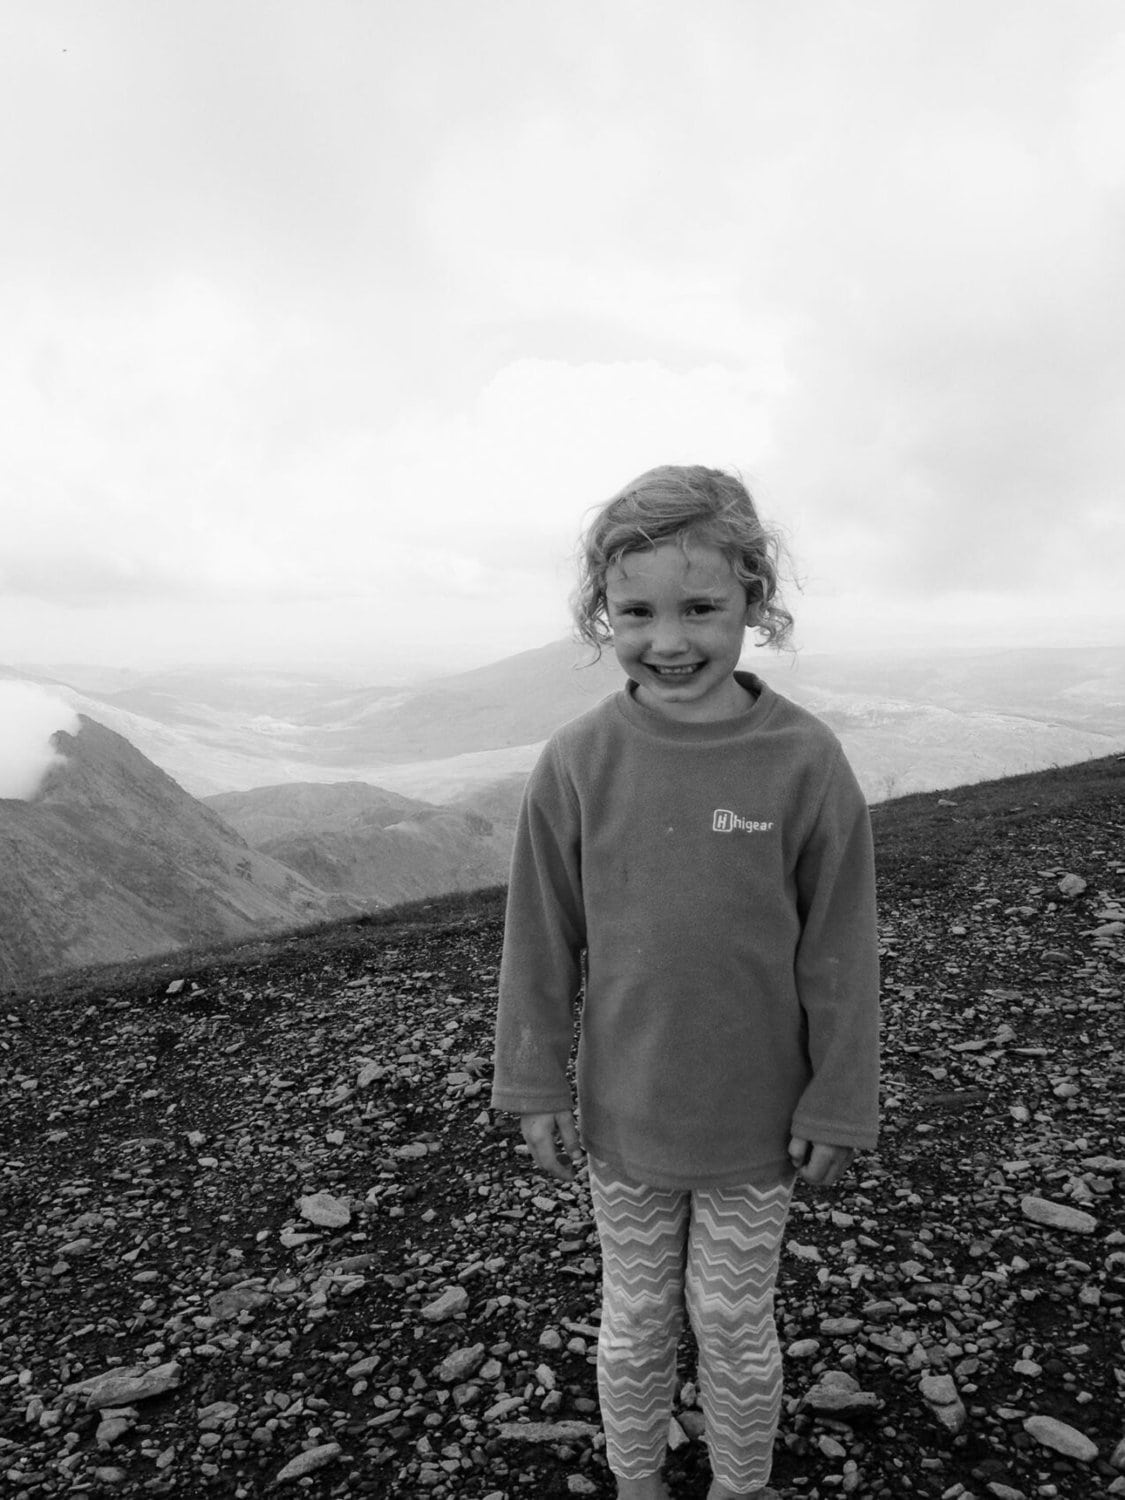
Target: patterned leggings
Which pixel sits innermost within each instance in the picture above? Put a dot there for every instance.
(715, 1251)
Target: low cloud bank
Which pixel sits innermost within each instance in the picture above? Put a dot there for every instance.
(29, 716)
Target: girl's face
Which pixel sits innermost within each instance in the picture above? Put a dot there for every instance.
(679, 617)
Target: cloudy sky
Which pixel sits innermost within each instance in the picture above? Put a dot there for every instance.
(326, 321)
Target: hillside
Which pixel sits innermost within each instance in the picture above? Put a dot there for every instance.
(296, 807)
(113, 859)
(371, 845)
(173, 1128)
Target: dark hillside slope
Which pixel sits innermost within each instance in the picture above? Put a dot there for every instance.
(162, 1143)
(112, 857)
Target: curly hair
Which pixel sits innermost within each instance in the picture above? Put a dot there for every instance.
(681, 503)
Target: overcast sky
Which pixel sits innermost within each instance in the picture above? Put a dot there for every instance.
(325, 323)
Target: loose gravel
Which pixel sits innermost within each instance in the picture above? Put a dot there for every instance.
(260, 1230)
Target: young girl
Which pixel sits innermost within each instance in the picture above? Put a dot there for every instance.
(703, 842)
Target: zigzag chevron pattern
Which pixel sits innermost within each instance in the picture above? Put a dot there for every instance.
(713, 1252)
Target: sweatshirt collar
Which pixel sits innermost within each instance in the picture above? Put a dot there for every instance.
(683, 731)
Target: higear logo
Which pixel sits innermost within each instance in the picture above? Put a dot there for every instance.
(725, 821)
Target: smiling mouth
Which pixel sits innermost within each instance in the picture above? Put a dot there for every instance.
(672, 673)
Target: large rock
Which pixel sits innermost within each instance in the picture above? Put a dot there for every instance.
(126, 1384)
(1058, 1215)
(546, 1432)
(1063, 1439)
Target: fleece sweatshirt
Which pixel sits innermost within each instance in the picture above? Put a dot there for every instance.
(718, 880)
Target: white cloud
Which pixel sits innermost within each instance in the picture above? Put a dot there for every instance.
(29, 716)
(312, 333)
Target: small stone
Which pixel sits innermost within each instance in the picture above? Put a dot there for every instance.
(460, 1364)
(876, 1312)
(503, 1408)
(839, 1394)
(677, 1437)
(1058, 1215)
(840, 1327)
(693, 1424)
(1062, 1438)
(325, 1210)
(235, 1299)
(803, 1349)
(75, 1248)
(217, 1414)
(1072, 885)
(578, 1484)
(308, 1462)
(110, 1428)
(454, 1300)
(1104, 1163)
(550, 1338)
(895, 1341)
(803, 1252)
(940, 1394)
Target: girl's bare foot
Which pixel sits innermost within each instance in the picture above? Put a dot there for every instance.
(651, 1487)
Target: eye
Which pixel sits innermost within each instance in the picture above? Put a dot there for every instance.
(701, 609)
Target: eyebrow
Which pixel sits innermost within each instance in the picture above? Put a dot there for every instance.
(687, 599)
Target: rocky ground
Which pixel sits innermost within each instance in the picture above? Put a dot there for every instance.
(259, 1229)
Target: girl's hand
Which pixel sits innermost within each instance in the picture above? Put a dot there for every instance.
(539, 1131)
(819, 1164)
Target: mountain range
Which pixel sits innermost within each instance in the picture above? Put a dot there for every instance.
(908, 722)
(198, 805)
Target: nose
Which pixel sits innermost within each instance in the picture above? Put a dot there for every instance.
(668, 638)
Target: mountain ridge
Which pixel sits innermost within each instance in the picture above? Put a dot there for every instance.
(113, 856)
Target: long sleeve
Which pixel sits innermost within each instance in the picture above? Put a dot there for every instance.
(837, 969)
(544, 935)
